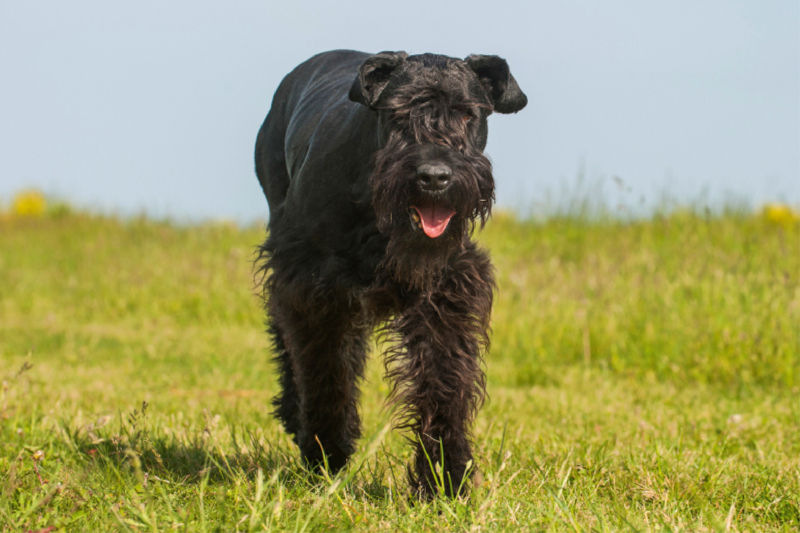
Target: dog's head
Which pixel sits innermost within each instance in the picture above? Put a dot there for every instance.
(431, 181)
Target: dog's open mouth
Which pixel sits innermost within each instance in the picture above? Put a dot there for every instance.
(432, 218)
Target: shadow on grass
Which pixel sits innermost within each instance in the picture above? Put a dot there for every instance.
(130, 445)
(188, 458)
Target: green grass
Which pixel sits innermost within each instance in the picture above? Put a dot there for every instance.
(644, 376)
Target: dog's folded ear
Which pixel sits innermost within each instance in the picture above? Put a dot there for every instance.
(373, 75)
(500, 85)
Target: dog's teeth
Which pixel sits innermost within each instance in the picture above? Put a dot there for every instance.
(415, 217)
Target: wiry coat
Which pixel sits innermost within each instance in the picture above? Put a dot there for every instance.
(374, 171)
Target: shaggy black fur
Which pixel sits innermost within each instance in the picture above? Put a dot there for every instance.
(363, 159)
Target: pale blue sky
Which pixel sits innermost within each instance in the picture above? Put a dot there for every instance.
(156, 105)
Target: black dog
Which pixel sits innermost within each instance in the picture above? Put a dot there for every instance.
(374, 171)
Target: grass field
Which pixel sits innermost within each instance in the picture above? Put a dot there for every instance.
(644, 376)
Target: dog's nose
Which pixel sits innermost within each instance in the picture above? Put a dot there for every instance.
(434, 177)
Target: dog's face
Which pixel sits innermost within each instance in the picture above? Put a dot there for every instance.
(431, 181)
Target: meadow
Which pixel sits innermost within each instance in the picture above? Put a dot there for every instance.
(644, 375)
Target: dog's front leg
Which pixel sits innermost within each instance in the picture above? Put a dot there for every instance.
(321, 353)
(437, 370)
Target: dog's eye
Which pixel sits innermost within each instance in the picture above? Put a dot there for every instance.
(466, 118)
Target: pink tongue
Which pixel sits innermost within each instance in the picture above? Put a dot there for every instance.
(434, 218)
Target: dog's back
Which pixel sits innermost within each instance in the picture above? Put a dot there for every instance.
(305, 98)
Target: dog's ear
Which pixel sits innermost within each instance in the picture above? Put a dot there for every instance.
(373, 75)
(500, 85)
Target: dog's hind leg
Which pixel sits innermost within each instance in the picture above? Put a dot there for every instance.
(437, 369)
(325, 349)
(287, 402)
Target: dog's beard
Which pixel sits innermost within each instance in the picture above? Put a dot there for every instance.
(417, 256)
(416, 262)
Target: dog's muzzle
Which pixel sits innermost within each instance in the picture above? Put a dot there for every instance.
(432, 214)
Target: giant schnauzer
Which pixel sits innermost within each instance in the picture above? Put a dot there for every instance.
(374, 172)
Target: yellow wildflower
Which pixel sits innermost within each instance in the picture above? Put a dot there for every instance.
(780, 215)
(28, 203)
